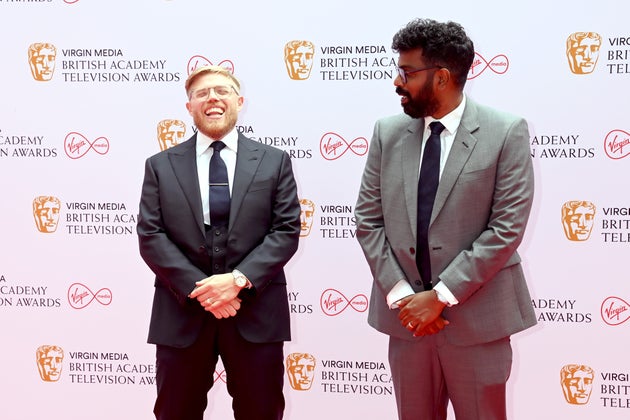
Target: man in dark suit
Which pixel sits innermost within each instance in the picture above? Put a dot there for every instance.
(220, 287)
(440, 226)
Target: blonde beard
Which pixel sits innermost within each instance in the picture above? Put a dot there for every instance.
(216, 130)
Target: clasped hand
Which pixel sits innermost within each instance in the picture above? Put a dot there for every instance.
(421, 313)
(218, 295)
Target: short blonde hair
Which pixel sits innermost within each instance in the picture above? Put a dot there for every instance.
(212, 70)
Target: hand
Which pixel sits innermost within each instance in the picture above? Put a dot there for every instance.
(433, 328)
(227, 310)
(420, 313)
(215, 291)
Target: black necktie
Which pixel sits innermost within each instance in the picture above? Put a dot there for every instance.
(219, 195)
(427, 187)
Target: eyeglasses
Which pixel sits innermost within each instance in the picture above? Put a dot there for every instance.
(404, 73)
(221, 92)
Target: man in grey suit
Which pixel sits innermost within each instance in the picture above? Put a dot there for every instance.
(220, 287)
(449, 290)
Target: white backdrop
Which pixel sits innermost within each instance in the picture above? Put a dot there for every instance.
(83, 135)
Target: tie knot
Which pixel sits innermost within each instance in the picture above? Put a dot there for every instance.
(436, 127)
(217, 145)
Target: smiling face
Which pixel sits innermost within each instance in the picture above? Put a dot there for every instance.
(214, 115)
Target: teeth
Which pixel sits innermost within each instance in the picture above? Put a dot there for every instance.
(214, 111)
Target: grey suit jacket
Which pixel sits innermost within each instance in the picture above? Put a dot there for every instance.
(479, 216)
(263, 234)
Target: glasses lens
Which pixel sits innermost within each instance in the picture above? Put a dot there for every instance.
(200, 94)
(222, 91)
(402, 74)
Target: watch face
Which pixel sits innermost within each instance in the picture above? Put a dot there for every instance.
(240, 281)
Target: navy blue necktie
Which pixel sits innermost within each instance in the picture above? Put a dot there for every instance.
(427, 187)
(219, 195)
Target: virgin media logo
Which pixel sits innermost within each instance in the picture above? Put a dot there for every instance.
(201, 61)
(80, 296)
(617, 144)
(76, 145)
(333, 302)
(498, 64)
(615, 311)
(332, 146)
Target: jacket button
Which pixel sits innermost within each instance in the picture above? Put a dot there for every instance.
(418, 283)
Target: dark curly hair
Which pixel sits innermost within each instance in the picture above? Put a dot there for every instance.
(442, 44)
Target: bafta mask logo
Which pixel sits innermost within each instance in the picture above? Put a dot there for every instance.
(583, 51)
(307, 211)
(578, 218)
(170, 132)
(46, 209)
(41, 59)
(298, 58)
(301, 370)
(577, 383)
(49, 362)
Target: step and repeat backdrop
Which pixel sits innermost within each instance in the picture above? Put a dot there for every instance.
(89, 89)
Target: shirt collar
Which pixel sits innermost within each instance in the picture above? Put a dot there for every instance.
(230, 140)
(451, 120)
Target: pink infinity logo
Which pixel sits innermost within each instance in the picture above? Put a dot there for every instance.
(199, 61)
(76, 145)
(614, 311)
(80, 296)
(70, 1)
(614, 143)
(498, 64)
(333, 302)
(332, 146)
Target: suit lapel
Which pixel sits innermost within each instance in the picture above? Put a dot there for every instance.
(410, 166)
(463, 145)
(184, 162)
(248, 158)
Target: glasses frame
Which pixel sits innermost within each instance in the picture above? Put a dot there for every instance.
(210, 90)
(404, 73)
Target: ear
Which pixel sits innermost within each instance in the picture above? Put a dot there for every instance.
(443, 77)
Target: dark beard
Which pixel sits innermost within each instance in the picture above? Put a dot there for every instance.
(422, 107)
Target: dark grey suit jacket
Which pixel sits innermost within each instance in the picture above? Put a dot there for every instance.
(263, 235)
(481, 209)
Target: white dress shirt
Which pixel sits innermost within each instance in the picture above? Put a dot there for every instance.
(204, 153)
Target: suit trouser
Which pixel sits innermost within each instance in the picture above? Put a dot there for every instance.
(429, 372)
(254, 372)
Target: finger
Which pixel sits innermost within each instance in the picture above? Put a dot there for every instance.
(404, 315)
(218, 313)
(197, 291)
(411, 326)
(419, 332)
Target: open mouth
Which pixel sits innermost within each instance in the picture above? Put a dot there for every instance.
(214, 112)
